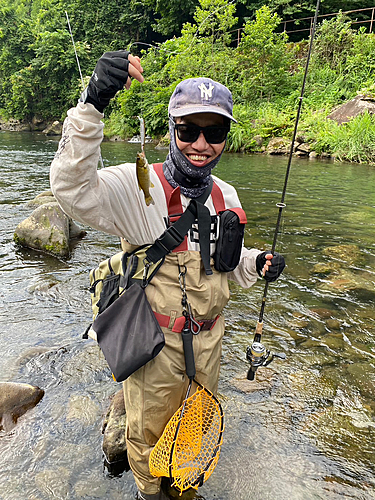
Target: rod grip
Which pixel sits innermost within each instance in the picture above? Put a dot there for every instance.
(251, 374)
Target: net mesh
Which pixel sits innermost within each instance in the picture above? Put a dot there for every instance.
(189, 447)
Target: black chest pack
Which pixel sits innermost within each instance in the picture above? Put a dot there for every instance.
(229, 242)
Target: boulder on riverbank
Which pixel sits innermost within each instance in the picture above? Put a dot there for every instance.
(357, 106)
(15, 400)
(13, 125)
(54, 128)
(48, 228)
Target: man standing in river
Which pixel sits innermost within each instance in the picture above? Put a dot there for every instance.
(200, 113)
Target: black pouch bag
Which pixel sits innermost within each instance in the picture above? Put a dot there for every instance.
(229, 243)
(125, 326)
(128, 333)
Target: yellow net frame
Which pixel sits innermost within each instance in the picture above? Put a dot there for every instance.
(189, 448)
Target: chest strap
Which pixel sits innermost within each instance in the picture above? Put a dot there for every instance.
(173, 200)
(174, 238)
(174, 235)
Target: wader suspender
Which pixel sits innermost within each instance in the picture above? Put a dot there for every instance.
(174, 237)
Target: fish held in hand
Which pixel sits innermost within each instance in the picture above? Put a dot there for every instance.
(143, 176)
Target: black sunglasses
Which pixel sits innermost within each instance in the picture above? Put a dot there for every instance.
(190, 133)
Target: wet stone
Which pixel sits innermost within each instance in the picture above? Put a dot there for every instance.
(15, 400)
(333, 324)
(298, 321)
(53, 483)
(67, 451)
(114, 427)
(309, 384)
(346, 280)
(46, 229)
(363, 378)
(265, 378)
(322, 313)
(336, 342)
(88, 365)
(84, 409)
(325, 268)
(345, 253)
(90, 487)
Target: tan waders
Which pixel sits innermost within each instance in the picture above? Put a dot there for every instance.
(154, 392)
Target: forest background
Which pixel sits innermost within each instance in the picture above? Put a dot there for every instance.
(178, 39)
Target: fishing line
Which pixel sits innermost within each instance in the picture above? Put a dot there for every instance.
(75, 51)
(257, 354)
(195, 34)
(80, 72)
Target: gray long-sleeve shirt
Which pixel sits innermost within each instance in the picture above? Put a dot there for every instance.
(110, 200)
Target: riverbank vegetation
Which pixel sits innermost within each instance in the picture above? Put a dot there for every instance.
(39, 75)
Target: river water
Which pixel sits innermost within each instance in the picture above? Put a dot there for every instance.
(304, 430)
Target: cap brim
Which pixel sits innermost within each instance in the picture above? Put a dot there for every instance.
(192, 110)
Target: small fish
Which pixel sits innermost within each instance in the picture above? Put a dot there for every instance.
(143, 176)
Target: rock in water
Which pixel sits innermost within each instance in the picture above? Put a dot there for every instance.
(114, 439)
(46, 229)
(15, 400)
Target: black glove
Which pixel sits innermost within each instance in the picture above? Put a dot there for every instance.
(275, 269)
(110, 76)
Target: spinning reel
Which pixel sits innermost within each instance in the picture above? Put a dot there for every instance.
(258, 356)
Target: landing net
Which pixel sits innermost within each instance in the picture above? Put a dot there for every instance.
(189, 448)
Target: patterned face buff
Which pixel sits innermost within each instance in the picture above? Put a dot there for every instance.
(179, 171)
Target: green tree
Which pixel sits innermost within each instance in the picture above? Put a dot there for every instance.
(171, 15)
(265, 56)
(334, 40)
(215, 19)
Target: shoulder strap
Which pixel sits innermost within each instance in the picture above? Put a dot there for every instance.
(175, 234)
(218, 198)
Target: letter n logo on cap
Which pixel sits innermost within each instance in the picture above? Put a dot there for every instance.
(206, 93)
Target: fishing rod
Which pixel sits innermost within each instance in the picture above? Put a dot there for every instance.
(80, 72)
(257, 354)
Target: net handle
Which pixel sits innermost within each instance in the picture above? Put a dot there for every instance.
(187, 341)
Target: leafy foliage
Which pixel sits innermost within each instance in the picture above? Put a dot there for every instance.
(39, 74)
(265, 56)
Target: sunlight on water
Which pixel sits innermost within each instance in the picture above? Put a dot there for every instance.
(304, 430)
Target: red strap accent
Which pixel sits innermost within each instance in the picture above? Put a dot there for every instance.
(173, 199)
(179, 324)
(241, 214)
(168, 189)
(172, 195)
(217, 198)
(163, 320)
